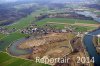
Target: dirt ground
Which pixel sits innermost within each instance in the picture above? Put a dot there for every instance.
(50, 38)
(52, 45)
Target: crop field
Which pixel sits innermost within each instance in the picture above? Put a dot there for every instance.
(6, 60)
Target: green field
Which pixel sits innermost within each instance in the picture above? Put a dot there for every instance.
(98, 13)
(64, 20)
(22, 22)
(6, 60)
(68, 21)
(6, 41)
(1, 36)
(83, 29)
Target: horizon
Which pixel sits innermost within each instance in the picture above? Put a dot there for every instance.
(51, 0)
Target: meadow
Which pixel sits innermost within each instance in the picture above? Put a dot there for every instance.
(68, 21)
(7, 40)
(65, 20)
(6, 60)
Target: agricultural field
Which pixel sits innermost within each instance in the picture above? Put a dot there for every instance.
(65, 20)
(82, 28)
(78, 24)
(6, 60)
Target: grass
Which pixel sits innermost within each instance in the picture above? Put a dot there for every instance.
(69, 21)
(98, 13)
(64, 20)
(6, 41)
(83, 29)
(22, 22)
(6, 60)
(98, 39)
(2, 35)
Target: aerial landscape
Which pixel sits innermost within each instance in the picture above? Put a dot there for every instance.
(49, 32)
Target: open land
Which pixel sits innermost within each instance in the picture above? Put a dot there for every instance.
(52, 44)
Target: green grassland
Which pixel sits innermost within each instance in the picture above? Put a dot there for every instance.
(98, 13)
(6, 60)
(64, 20)
(7, 40)
(83, 29)
(22, 22)
(2, 35)
(68, 21)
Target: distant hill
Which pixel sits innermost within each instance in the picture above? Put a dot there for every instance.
(53, 1)
(96, 6)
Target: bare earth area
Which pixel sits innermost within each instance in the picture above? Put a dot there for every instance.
(52, 45)
(56, 45)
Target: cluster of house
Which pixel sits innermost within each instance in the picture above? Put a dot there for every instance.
(6, 31)
(32, 29)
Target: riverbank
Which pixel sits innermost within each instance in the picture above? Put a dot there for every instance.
(96, 44)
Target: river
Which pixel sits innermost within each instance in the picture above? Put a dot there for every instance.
(88, 42)
(88, 38)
